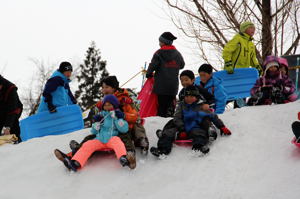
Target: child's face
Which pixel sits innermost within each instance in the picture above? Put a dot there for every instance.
(250, 31)
(186, 81)
(108, 106)
(67, 74)
(282, 70)
(204, 76)
(106, 90)
(273, 69)
(189, 99)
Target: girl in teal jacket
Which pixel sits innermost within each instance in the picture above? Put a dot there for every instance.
(106, 132)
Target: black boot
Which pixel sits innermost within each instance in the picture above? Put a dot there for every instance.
(71, 164)
(157, 152)
(198, 148)
(127, 161)
(74, 146)
(144, 144)
(59, 155)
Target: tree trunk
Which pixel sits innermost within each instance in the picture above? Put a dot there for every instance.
(267, 41)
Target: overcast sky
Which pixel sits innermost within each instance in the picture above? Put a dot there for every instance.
(125, 31)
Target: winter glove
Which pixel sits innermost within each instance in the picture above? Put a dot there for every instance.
(97, 126)
(119, 114)
(225, 131)
(126, 100)
(97, 118)
(228, 67)
(52, 108)
(149, 75)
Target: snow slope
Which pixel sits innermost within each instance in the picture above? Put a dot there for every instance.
(257, 161)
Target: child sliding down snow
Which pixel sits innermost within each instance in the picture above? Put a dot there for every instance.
(189, 117)
(106, 136)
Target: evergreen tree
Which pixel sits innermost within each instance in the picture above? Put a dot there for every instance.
(92, 71)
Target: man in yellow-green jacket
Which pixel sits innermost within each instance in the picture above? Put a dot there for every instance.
(240, 52)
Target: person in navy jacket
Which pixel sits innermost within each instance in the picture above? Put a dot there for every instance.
(57, 90)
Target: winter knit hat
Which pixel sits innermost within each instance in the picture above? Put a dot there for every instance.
(65, 66)
(283, 63)
(191, 91)
(245, 25)
(111, 81)
(111, 99)
(167, 38)
(187, 73)
(207, 68)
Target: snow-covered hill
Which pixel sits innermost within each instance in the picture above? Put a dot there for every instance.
(257, 161)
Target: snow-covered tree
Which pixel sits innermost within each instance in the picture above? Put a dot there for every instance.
(92, 71)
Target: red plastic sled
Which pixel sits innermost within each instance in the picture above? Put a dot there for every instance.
(295, 143)
(182, 139)
(148, 99)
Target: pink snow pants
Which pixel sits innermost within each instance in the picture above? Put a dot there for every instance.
(89, 147)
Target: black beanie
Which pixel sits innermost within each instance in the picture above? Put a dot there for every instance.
(191, 91)
(187, 73)
(167, 38)
(111, 81)
(207, 68)
(65, 66)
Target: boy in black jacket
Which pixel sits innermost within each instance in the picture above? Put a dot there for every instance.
(166, 63)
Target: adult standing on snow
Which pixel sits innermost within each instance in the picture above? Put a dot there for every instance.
(166, 63)
(10, 108)
(240, 52)
(57, 90)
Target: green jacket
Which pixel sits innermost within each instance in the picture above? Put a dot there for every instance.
(240, 51)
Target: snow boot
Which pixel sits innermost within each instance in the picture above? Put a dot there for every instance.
(74, 146)
(159, 133)
(212, 133)
(158, 153)
(71, 164)
(60, 155)
(200, 149)
(131, 159)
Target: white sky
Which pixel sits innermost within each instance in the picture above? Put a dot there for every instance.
(125, 31)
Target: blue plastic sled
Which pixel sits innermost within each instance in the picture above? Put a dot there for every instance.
(237, 85)
(66, 120)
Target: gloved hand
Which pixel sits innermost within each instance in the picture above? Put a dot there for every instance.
(228, 67)
(97, 126)
(149, 75)
(97, 118)
(225, 131)
(112, 114)
(52, 108)
(119, 114)
(126, 100)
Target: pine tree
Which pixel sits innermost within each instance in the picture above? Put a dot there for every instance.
(92, 71)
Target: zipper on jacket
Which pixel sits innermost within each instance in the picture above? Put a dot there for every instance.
(238, 55)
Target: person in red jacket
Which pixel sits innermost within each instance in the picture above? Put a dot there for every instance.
(10, 108)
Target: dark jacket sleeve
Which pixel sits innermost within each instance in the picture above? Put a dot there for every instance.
(182, 63)
(50, 87)
(178, 118)
(154, 64)
(14, 108)
(208, 97)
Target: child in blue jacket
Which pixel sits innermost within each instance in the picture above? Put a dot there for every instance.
(213, 85)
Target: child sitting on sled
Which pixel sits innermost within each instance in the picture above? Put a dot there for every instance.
(187, 78)
(106, 136)
(296, 129)
(271, 87)
(189, 117)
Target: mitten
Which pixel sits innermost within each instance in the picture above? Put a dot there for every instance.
(119, 114)
(112, 114)
(97, 118)
(228, 67)
(225, 131)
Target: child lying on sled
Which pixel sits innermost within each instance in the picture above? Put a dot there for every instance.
(106, 136)
(191, 118)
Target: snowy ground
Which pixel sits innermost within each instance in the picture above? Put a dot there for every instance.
(257, 161)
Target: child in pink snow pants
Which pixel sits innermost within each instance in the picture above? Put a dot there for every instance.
(106, 132)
